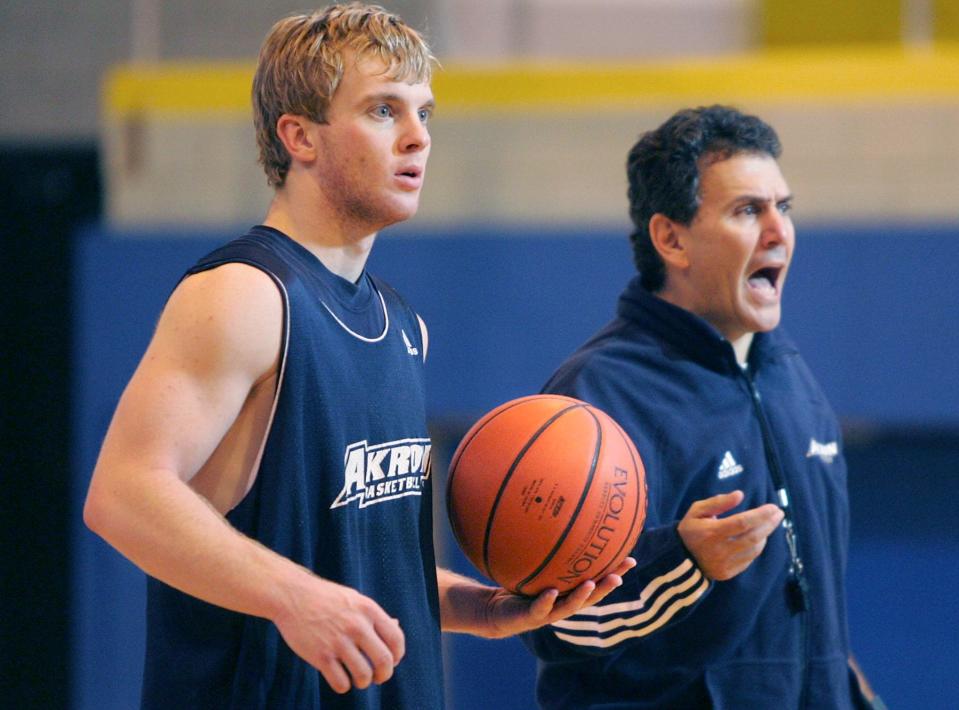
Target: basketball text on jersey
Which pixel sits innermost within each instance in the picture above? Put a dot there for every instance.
(382, 472)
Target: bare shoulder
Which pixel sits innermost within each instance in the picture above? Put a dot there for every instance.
(228, 317)
(217, 339)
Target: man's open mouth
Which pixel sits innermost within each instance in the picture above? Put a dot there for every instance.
(765, 278)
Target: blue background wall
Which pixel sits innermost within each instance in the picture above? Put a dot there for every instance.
(874, 310)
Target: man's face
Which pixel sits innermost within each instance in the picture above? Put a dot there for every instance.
(740, 244)
(374, 146)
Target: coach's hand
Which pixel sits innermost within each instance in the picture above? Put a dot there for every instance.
(724, 547)
(343, 634)
(508, 614)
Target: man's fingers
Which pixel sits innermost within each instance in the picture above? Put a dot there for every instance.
(745, 548)
(603, 588)
(625, 566)
(389, 630)
(358, 665)
(611, 581)
(576, 599)
(716, 505)
(591, 592)
(543, 605)
(366, 655)
(744, 557)
(758, 522)
(346, 636)
(376, 652)
(331, 669)
(724, 547)
(772, 516)
(380, 660)
(384, 648)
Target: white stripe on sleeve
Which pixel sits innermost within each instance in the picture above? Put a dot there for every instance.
(679, 588)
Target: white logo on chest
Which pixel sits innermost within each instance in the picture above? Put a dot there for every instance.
(409, 346)
(824, 452)
(374, 474)
(728, 467)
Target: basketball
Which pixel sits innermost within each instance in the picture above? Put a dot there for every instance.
(546, 491)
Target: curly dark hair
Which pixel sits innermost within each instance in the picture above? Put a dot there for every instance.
(664, 169)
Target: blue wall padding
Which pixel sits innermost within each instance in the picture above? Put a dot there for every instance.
(873, 309)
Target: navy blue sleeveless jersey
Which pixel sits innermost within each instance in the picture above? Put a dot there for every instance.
(343, 489)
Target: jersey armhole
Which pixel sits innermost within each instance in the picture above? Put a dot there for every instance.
(254, 469)
(280, 371)
(424, 335)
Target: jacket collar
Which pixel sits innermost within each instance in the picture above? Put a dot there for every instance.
(690, 336)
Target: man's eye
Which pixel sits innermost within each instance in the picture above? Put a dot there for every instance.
(382, 111)
(425, 115)
(785, 207)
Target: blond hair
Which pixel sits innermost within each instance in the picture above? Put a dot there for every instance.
(301, 63)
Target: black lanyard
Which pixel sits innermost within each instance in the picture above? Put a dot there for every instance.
(796, 586)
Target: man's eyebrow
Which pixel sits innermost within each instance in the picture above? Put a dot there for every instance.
(748, 198)
(390, 97)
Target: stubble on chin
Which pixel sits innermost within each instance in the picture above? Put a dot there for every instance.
(363, 205)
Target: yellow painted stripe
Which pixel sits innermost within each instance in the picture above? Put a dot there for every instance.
(176, 88)
(946, 20)
(768, 77)
(788, 23)
(888, 74)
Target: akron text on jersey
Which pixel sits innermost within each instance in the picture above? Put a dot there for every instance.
(382, 472)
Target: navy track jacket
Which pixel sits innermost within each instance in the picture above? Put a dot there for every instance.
(670, 637)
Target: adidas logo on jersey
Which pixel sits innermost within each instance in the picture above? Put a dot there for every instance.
(409, 346)
(374, 474)
(728, 467)
(825, 452)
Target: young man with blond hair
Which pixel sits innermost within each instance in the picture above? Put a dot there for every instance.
(268, 463)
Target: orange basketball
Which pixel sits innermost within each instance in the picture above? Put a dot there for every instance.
(546, 491)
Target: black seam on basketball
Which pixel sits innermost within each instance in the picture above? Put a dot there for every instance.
(461, 449)
(509, 474)
(640, 495)
(522, 400)
(579, 504)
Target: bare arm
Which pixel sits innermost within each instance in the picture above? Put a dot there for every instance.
(868, 693)
(217, 338)
(468, 606)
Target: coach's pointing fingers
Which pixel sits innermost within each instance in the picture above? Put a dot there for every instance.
(753, 525)
(724, 547)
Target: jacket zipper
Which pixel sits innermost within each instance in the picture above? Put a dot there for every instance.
(797, 592)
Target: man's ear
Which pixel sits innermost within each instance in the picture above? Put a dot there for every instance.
(295, 134)
(669, 240)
